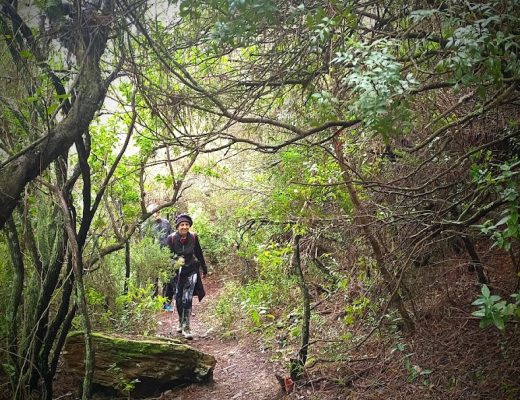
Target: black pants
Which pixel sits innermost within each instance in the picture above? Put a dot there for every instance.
(184, 295)
(169, 290)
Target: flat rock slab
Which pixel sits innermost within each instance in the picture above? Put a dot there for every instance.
(139, 368)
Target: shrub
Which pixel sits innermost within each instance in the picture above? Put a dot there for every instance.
(495, 311)
(135, 311)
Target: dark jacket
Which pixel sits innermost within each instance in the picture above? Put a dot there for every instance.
(193, 259)
(162, 230)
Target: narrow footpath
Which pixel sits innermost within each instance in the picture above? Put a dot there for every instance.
(243, 371)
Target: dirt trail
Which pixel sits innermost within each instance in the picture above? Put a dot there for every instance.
(242, 370)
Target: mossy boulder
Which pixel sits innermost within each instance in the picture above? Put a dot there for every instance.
(138, 367)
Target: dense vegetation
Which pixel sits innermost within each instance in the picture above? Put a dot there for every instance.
(340, 159)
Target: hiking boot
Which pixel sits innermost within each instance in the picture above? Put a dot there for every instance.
(179, 328)
(186, 331)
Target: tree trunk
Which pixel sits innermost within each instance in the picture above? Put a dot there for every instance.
(77, 267)
(62, 320)
(21, 169)
(16, 298)
(298, 364)
(127, 266)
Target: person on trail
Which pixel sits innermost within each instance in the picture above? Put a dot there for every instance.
(188, 260)
(159, 228)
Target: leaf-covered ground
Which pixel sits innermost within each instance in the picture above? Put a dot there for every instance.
(448, 356)
(243, 370)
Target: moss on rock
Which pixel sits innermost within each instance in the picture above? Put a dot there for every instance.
(141, 367)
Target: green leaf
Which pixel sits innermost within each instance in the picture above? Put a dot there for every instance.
(26, 54)
(499, 323)
(503, 220)
(52, 108)
(479, 313)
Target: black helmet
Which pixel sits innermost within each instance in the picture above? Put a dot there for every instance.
(183, 218)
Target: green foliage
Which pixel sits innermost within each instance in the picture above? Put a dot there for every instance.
(495, 311)
(483, 37)
(106, 140)
(48, 228)
(480, 36)
(376, 83)
(215, 236)
(135, 311)
(262, 301)
(110, 310)
(304, 178)
(233, 22)
(273, 260)
(149, 261)
(225, 307)
(414, 371)
(6, 277)
(356, 310)
(101, 316)
(502, 181)
(272, 59)
(255, 303)
(258, 300)
(209, 171)
(322, 25)
(324, 104)
(95, 298)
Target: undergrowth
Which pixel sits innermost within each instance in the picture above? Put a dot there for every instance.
(257, 305)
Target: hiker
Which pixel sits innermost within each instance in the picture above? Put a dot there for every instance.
(160, 229)
(188, 260)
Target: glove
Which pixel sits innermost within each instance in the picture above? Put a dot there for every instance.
(179, 262)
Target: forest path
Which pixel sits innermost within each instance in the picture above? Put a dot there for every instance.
(243, 371)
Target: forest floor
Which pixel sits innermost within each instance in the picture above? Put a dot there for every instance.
(243, 369)
(448, 356)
